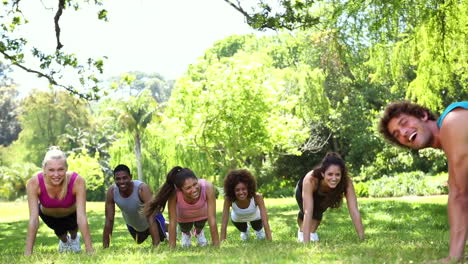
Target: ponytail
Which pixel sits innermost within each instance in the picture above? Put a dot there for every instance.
(174, 179)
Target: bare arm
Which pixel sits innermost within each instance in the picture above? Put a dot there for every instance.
(33, 224)
(263, 213)
(172, 219)
(211, 200)
(80, 191)
(454, 138)
(145, 195)
(308, 187)
(225, 217)
(109, 222)
(351, 200)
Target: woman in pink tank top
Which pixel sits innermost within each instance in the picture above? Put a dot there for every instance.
(191, 201)
(58, 197)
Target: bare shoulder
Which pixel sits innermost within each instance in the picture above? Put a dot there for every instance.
(110, 193)
(456, 118)
(310, 179)
(258, 196)
(79, 180)
(33, 182)
(209, 185)
(454, 132)
(143, 187)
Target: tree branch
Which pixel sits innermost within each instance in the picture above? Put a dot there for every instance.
(61, 6)
(43, 75)
(238, 8)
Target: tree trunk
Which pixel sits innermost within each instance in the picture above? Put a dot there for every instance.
(138, 155)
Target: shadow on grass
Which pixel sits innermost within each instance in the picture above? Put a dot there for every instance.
(13, 235)
(397, 232)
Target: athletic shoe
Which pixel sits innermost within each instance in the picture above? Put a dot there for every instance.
(300, 236)
(260, 234)
(314, 237)
(244, 235)
(186, 239)
(75, 244)
(64, 246)
(201, 239)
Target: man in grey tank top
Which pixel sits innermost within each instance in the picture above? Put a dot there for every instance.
(130, 196)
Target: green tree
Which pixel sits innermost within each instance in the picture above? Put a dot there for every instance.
(9, 124)
(133, 83)
(13, 179)
(135, 115)
(45, 118)
(89, 168)
(235, 110)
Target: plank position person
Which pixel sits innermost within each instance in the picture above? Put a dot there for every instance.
(130, 196)
(248, 206)
(192, 202)
(58, 197)
(321, 188)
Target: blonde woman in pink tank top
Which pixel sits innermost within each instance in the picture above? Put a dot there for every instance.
(58, 197)
(192, 202)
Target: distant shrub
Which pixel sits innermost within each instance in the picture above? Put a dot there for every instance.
(13, 180)
(362, 189)
(88, 167)
(408, 183)
(277, 187)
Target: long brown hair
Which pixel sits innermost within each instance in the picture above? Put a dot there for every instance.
(174, 179)
(333, 199)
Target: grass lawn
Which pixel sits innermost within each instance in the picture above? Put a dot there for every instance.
(400, 230)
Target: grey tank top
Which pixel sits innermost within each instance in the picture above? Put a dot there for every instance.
(131, 207)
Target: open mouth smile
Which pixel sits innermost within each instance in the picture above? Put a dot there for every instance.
(412, 136)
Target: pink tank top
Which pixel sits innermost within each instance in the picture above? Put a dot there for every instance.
(49, 202)
(192, 212)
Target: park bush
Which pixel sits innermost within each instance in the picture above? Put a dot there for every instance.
(13, 180)
(277, 187)
(88, 167)
(362, 189)
(408, 183)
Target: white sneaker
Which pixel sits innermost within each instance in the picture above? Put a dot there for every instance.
(186, 240)
(75, 244)
(260, 234)
(244, 235)
(64, 246)
(201, 239)
(300, 236)
(314, 237)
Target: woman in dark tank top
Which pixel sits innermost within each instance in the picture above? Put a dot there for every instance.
(320, 189)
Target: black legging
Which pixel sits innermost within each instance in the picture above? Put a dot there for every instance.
(186, 227)
(242, 226)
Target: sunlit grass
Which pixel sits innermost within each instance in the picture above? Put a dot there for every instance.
(401, 230)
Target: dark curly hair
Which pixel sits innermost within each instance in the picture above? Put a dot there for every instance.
(235, 177)
(397, 108)
(333, 199)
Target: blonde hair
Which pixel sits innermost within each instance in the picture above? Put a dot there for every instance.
(54, 153)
